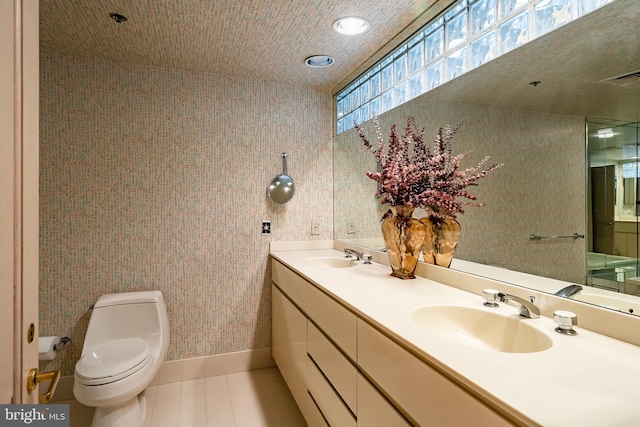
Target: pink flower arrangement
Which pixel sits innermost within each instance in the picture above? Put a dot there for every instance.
(413, 174)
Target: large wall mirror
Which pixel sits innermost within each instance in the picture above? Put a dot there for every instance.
(570, 148)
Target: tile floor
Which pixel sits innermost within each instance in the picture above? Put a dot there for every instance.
(258, 398)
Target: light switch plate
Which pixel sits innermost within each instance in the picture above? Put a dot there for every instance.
(266, 228)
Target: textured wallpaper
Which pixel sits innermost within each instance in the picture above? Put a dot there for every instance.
(154, 178)
(541, 188)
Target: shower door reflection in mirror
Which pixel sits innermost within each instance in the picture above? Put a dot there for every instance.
(614, 201)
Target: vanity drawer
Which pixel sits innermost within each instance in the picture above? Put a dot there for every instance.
(312, 415)
(338, 323)
(335, 367)
(427, 396)
(292, 284)
(374, 410)
(332, 407)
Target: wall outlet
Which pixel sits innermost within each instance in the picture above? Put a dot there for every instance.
(351, 228)
(315, 228)
(266, 228)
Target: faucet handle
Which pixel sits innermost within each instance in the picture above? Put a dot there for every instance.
(490, 297)
(565, 321)
(366, 258)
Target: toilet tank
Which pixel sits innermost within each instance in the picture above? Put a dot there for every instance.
(131, 314)
(110, 300)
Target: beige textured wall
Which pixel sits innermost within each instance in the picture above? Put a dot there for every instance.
(541, 188)
(154, 178)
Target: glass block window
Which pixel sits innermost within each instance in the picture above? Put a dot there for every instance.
(434, 45)
(465, 36)
(551, 14)
(508, 7)
(483, 49)
(513, 33)
(482, 15)
(416, 57)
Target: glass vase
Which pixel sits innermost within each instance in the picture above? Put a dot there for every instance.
(403, 238)
(440, 241)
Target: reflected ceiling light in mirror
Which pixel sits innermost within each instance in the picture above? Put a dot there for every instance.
(605, 133)
(351, 25)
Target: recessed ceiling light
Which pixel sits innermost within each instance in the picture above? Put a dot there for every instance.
(351, 25)
(319, 61)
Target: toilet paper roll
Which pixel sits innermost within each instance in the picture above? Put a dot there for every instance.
(47, 347)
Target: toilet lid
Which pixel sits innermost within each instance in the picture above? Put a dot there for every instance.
(113, 359)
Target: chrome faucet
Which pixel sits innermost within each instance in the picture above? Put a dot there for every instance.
(349, 252)
(527, 308)
(569, 291)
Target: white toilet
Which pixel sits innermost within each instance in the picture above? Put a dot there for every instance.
(126, 342)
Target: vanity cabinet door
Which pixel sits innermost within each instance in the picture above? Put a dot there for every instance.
(424, 394)
(289, 343)
(374, 410)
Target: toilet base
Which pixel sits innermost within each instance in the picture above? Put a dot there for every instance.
(127, 414)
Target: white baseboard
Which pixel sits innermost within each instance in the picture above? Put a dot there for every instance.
(190, 369)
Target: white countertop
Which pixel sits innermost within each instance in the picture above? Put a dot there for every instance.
(584, 380)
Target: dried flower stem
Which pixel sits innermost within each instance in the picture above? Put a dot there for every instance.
(414, 174)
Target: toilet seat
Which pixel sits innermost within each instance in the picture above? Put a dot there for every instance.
(112, 361)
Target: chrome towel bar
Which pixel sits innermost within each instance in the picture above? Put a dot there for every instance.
(573, 236)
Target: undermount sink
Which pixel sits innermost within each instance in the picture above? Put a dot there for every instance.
(331, 262)
(481, 328)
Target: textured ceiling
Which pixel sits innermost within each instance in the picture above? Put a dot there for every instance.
(258, 39)
(269, 40)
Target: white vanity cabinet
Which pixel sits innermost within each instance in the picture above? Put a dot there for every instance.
(425, 394)
(316, 353)
(343, 372)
